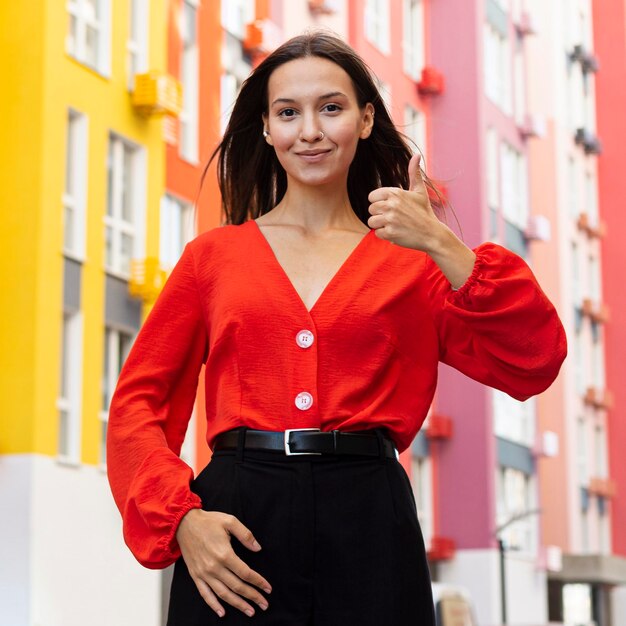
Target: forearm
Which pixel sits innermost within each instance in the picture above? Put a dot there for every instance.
(452, 256)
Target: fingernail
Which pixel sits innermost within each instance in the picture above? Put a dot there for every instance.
(256, 545)
(263, 606)
(249, 612)
(220, 612)
(267, 589)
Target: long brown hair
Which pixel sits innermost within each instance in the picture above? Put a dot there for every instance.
(251, 179)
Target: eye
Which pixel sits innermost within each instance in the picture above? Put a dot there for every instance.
(287, 113)
(333, 108)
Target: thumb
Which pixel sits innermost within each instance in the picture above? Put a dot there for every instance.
(415, 175)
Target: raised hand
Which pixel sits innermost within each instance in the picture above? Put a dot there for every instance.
(219, 574)
(405, 217)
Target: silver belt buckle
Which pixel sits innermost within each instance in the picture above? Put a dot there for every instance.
(288, 451)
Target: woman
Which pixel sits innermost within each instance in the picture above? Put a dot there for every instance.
(321, 322)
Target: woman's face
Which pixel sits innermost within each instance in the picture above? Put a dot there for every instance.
(308, 97)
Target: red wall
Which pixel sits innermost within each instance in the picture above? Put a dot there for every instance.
(609, 19)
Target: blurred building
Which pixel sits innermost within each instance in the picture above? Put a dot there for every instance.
(513, 114)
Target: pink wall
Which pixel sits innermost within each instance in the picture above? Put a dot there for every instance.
(609, 19)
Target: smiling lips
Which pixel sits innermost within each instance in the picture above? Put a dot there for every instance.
(313, 155)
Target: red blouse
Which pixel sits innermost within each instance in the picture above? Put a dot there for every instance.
(365, 355)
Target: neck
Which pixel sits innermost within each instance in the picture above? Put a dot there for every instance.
(317, 208)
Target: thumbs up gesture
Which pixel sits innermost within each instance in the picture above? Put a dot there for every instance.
(405, 216)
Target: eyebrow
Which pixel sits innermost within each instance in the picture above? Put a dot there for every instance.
(332, 94)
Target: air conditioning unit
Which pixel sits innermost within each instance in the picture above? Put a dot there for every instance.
(157, 93)
(533, 126)
(526, 25)
(432, 81)
(323, 7)
(588, 141)
(439, 427)
(441, 549)
(538, 228)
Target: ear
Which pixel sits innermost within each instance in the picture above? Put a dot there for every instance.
(268, 138)
(367, 121)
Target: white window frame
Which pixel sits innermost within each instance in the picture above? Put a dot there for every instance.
(80, 11)
(137, 43)
(229, 88)
(190, 79)
(413, 48)
(421, 481)
(582, 454)
(515, 494)
(111, 368)
(415, 129)
(70, 388)
(514, 186)
(120, 151)
(512, 419)
(377, 24)
(75, 193)
(493, 171)
(236, 14)
(177, 227)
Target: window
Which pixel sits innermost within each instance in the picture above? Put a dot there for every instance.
(117, 345)
(415, 129)
(520, 83)
(377, 30)
(177, 228)
(591, 200)
(236, 14)
(514, 496)
(69, 400)
(422, 491)
(189, 79)
(493, 182)
(579, 364)
(514, 174)
(75, 194)
(125, 202)
(581, 452)
(513, 420)
(497, 68)
(413, 38)
(597, 351)
(89, 33)
(574, 180)
(229, 88)
(385, 93)
(137, 45)
(601, 462)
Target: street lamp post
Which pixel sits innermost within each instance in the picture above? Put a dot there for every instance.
(514, 518)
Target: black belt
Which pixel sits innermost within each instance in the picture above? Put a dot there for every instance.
(308, 441)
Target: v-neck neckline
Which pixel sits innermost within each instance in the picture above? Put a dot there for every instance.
(333, 279)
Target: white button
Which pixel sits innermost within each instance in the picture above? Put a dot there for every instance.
(304, 400)
(304, 338)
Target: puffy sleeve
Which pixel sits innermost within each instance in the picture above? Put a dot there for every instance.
(499, 327)
(148, 418)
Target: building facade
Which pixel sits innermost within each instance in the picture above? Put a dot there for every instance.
(85, 175)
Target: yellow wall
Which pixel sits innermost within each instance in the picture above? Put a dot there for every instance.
(40, 88)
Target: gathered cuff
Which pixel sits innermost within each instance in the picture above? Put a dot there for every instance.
(461, 292)
(168, 544)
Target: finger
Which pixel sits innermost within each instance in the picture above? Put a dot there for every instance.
(415, 174)
(381, 193)
(209, 597)
(247, 574)
(238, 586)
(376, 208)
(230, 597)
(376, 222)
(244, 534)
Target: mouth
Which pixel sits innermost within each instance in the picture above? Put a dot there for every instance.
(313, 155)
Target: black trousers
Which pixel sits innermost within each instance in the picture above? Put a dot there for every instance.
(341, 543)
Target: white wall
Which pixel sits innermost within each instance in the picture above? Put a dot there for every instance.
(80, 569)
(618, 605)
(479, 572)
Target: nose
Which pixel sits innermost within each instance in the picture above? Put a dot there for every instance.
(310, 131)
